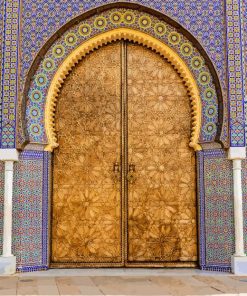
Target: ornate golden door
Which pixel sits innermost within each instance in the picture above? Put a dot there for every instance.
(124, 176)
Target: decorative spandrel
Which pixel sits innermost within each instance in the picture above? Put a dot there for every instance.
(162, 199)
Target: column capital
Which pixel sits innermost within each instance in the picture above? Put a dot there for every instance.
(237, 153)
(9, 155)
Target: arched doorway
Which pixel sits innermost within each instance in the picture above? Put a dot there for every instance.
(124, 189)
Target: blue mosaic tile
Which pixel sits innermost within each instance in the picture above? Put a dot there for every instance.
(52, 60)
(216, 226)
(9, 77)
(235, 72)
(203, 18)
(30, 210)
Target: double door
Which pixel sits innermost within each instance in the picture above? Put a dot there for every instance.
(123, 176)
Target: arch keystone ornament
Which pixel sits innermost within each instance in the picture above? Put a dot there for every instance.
(107, 37)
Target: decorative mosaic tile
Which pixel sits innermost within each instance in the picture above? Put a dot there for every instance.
(235, 72)
(85, 30)
(9, 79)
(30, 210)
(204, 19)
(215, 210)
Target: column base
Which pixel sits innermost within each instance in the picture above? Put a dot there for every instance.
(7, 265)
(239, 265)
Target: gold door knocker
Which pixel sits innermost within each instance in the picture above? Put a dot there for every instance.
(116, 172)
(131, 173)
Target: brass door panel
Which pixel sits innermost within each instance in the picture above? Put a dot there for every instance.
(162, 194)
(124, 189)
(86, 207)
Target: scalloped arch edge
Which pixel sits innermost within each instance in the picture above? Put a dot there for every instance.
(107, 37)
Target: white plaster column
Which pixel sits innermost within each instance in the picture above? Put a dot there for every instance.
(8, 194)
(239, 259)
(8, 260)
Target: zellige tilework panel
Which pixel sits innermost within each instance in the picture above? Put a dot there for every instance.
(106, 21)
(235, 72)
(215, 210)
(30, 210)
(10, 75)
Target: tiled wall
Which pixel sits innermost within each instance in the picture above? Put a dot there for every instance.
(215, 198)
(30, 210)
(203, 18)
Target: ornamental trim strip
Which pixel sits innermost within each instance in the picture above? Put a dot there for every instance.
(45, 206)
(235, 73)
(10, 65)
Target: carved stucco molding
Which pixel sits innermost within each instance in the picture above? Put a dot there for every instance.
(122, 34)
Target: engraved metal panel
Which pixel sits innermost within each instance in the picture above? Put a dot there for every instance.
(86, 213)
(162, 193)
(124, 190)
